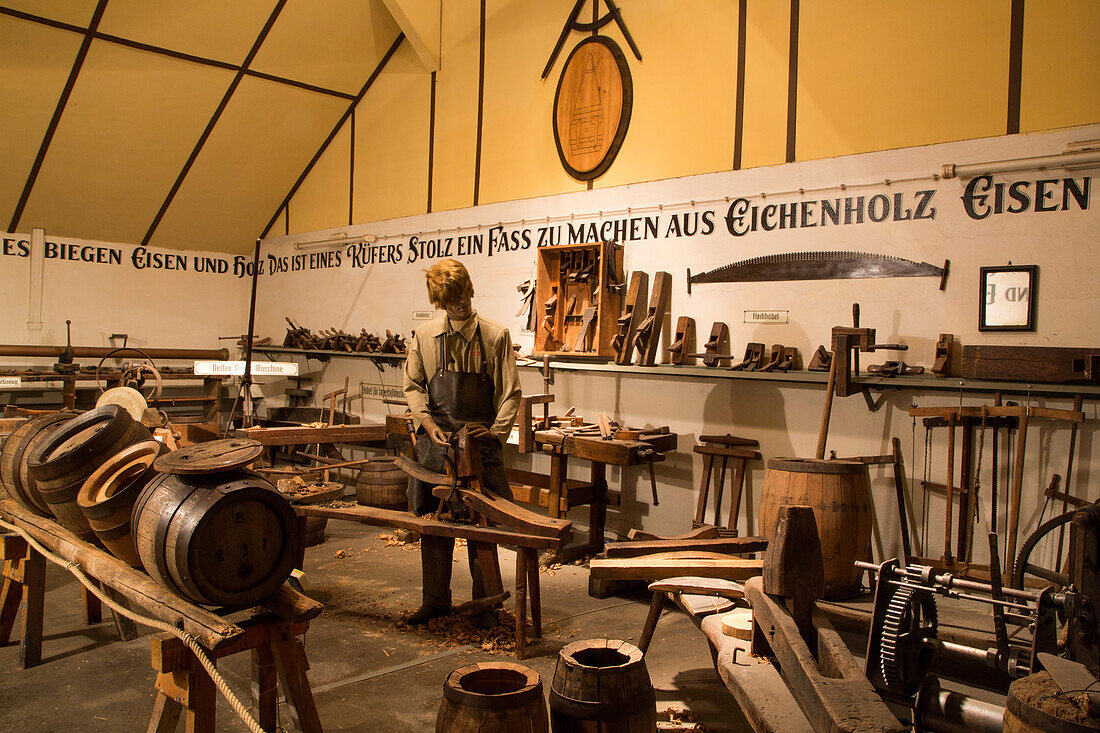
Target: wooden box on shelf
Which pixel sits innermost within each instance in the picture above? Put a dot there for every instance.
(578, 294)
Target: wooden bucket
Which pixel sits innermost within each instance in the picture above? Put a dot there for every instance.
(68, 455)
(14, 476)
(492, 697)
(602, 685)
(382, 484)
(226, 539)
(1035, 704)
(107, 497)
(840, 494)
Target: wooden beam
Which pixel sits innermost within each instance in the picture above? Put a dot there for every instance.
(839, 702)
(727, 545)
(421, 21)
(403, 520)
(656, 567)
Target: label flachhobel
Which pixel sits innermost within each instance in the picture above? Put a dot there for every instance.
(762, 316)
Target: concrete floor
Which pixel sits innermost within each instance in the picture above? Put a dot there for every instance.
(368, 672)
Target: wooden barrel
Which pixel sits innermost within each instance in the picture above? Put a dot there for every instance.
(14, 476)
(492, 697)
(71, 453)
(107, 497)
(382, 484)
(840, 494)
(1035, 704)
(602, 685)
(226, 539)
(298, 493)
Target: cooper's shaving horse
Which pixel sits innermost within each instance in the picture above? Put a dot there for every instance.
(467, 511)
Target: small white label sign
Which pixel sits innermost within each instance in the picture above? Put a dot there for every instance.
(381, 392)
(10, 381)
(236, 368)
(423, 315)
(756, 316)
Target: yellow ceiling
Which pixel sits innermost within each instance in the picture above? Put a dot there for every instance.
(163, 138)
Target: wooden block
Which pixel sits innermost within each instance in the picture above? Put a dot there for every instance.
(1046, 364)
(738, 623)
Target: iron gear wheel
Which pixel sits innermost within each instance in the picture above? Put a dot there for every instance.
(904, 657)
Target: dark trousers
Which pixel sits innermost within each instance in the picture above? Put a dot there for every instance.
(436, 553)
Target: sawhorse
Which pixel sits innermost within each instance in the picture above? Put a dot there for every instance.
(24, 574)
(184, 687)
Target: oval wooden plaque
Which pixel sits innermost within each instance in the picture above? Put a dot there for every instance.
(592, 107)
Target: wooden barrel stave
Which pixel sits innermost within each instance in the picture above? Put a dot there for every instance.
(222, 539)
(382, 484)
(840, 494)
(492, 697)
(602, 685)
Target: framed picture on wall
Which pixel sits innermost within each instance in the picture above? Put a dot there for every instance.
(1007, 298)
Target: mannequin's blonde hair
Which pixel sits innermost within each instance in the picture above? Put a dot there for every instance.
(448, 283)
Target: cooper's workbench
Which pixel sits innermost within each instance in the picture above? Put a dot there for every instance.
(557, 492)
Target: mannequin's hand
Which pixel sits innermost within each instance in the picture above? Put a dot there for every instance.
(434, 432)
(478, 432)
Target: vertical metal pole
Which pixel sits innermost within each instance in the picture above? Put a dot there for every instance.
(246, 380)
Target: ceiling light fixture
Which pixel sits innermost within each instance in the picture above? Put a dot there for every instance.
(1085, 154)
(334, 240)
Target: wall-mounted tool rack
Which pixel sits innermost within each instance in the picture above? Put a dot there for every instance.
(578, 297)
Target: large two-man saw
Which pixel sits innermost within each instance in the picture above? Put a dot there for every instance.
(819, 266)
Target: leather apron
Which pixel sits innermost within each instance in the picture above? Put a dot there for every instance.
(458, 398)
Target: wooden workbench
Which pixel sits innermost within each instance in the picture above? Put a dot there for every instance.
(558, 494)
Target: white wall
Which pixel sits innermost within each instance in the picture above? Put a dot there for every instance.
(130, 291)
(783, 417)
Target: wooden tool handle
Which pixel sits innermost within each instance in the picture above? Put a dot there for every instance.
(826, 413)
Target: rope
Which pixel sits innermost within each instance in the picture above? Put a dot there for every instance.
(191, 642)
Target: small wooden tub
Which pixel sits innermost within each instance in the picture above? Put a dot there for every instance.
(492, 698)
(601, 683)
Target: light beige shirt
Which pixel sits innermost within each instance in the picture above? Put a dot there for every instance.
(462, 355)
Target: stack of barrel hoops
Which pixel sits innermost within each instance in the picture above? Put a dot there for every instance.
(215, 536)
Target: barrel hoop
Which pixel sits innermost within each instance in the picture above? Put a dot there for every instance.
(518, 699)
(159, 537)
(815, 465)
(611, 710)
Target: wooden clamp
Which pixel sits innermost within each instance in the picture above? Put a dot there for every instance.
(684, 341)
